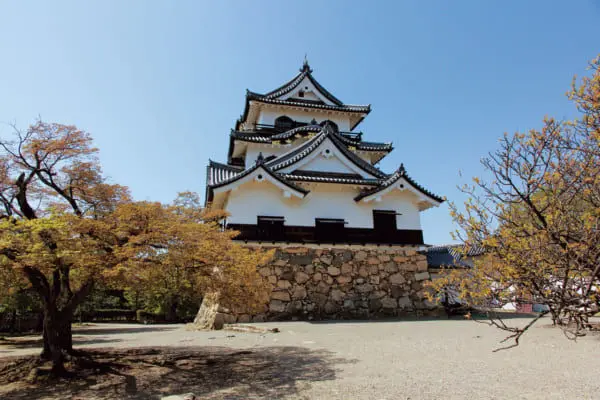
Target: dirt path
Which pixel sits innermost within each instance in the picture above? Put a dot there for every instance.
(345, 360)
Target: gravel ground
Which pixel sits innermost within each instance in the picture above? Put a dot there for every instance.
(421, 359)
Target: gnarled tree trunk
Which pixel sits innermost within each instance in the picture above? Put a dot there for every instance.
(207, 314)
(52, 336)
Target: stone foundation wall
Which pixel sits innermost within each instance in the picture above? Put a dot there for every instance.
(341, 283)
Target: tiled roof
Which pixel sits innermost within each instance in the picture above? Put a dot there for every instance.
(375, 146)
(329, 177)
(272, 97)
(391, 179)
(253, 137)
(458, 250)
(450, 256)
(344, 107)
(217, 172)
(309, 146)
(294, 131)
(305, 72)
(362, 145)
(219, 175)
(257, 137)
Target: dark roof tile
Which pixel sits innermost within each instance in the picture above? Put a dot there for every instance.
(309, 146)
(391, 179)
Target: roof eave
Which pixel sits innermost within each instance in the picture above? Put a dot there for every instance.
(433, 199)
(298, 191)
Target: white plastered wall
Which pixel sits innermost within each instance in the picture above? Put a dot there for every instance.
(324, 201)
(327, 157)
(254, 149)
(267, 150)
(311, 92)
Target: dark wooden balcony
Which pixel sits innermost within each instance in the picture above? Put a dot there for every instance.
(309, 234)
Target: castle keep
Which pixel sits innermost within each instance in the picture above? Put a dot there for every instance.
(299, 177)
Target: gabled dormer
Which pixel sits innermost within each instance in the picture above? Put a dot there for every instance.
(325, 152)
(304, 88)
(301, 99)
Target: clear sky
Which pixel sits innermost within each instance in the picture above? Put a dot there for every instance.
(160, 84)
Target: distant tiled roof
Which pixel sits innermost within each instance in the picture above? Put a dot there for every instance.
(451, 256)
(458, 250)
(391, 179)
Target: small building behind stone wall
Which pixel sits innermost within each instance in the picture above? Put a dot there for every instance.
(357, 282)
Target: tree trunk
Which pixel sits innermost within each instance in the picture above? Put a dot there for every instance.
(13, 321)
(46, 351)
(66, 335)
(171, 309)
(57, 335)
(207, 317)
(52, 335)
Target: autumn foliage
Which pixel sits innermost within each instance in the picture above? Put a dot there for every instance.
(64, 227)
(538, 217)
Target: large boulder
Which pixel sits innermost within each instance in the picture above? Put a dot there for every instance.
(397, 279)
(421, 276)
(301, 277)
(299, 293)
(276, 306)
(282, 295)
(388, 302)
(336, 295)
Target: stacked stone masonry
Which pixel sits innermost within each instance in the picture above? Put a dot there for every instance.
(330, 283)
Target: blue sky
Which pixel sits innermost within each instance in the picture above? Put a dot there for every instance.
(160, 84)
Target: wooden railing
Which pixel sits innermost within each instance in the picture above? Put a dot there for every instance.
(308, 234)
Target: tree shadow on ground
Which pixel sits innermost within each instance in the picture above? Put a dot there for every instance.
(112, 330)
(37, 342)
(208, 372)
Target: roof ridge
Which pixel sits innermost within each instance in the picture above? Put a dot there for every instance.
(309, 146)
(255, 136)
(288, 86)
(393, 178)
(305, 72)
(276, 163)
(336, 139)
(266, 168)
(217, 164)
(288, 133)
(339, 107)
(329, 179)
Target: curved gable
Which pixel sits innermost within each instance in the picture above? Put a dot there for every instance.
(327, 157)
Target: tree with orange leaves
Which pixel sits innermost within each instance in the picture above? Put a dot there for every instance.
(170, 248)
(64, 227)
(538, 218)
(50, 183)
